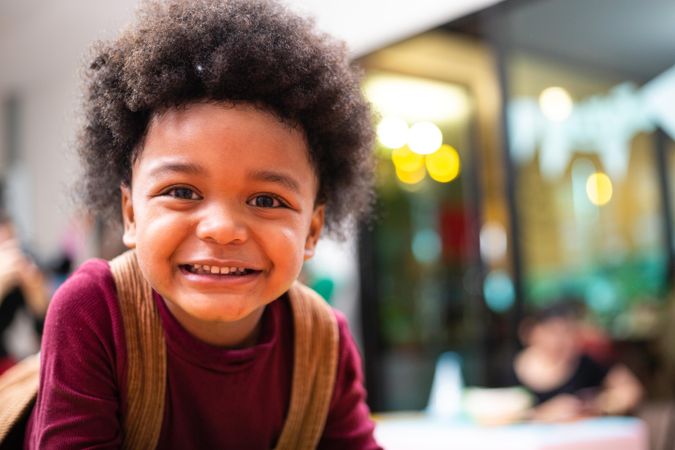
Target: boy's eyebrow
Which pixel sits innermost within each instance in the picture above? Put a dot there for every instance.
(181, 167)
(277, 177)
(195, 169)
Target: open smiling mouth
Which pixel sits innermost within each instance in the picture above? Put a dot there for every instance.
(203, 269)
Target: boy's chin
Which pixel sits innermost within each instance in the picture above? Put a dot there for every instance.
(227, 308)
(228, 325)
(223, 311)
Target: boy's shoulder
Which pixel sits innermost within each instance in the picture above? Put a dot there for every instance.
(91, 277)
(343, 323)
(90, 290)
(91, 268)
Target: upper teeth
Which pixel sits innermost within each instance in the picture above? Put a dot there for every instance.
(217, 270)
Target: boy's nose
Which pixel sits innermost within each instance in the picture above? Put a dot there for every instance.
(222, 225)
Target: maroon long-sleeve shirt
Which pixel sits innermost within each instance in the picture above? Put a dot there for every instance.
(215, 398)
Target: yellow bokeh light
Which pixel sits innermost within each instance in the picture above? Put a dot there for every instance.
(599, 188)
(392, 132)
(444, 164)
(556, 103)
(411, 177)
(406, 160)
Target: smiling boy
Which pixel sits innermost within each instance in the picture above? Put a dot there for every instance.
(226, 135)
(219, 240)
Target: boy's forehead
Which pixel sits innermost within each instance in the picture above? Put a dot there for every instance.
(178, 136)
(182, 120)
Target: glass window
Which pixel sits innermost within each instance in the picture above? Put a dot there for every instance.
(423, 241)
(587, 189)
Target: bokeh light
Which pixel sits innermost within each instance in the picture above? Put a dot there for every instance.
(416, 99)
(411, 176)
(556, 103)
(392, 132)
(599, 188)
(444, 164)
(424, 138)
(406, 160)
(498, 291)
(426, 246)
(493, 242)
(602, 295)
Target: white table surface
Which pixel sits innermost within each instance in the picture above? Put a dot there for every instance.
(421, 432)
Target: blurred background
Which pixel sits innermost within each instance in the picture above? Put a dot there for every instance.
(525, 156)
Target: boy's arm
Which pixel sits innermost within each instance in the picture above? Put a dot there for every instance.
(348, 424)
(78, 404)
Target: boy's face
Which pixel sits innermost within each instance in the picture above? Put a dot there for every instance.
(221, 212)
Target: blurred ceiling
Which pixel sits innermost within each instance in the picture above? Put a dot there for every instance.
(634, 38)
(365, 26)
(369, 25)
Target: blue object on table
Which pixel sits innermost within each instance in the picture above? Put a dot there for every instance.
(445, 399)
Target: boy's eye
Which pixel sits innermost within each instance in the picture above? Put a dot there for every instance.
(265, 201)
(183, 193)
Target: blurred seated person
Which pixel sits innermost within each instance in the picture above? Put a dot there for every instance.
(22, 285)
(567, 383)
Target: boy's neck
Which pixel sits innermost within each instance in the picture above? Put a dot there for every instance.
(240, 334)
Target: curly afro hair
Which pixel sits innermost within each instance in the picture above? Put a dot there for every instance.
(235, 51)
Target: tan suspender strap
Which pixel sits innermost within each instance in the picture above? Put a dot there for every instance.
(18, 388)
(146, 354)
(314, 369)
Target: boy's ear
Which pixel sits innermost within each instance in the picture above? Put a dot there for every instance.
(129, 236)
(315, 227)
